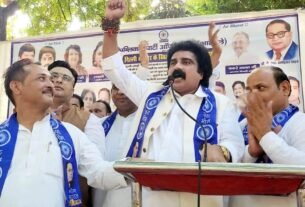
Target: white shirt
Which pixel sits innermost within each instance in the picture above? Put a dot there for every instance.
(117, 137)
(246, 58)
(116, 141)
(35, 177)
(95, 132)
(286, 147)
(167, 142)
(112, 149)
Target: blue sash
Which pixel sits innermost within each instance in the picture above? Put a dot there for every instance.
(151, 104)
(8, 137)
(206, 115)
(280, 119)
(107, 124)
(241, 117)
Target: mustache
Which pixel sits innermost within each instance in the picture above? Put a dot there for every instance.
(178, 73)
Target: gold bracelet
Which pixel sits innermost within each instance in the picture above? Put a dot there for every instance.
(226, 153)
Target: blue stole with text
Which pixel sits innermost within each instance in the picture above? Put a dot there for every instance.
(107, 124)
(8, 137)
(206, 116)
(280, 119)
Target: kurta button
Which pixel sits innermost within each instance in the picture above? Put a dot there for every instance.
(164, 114)
(144, 149)
(152, 129)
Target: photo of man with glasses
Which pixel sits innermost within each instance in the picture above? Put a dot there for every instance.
(279, 38)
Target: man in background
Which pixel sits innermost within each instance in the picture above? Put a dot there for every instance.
(100, 108)
(279, 38)
(274, 131)
(239, 88)
(64, 79)
(242, 55)
(76, 100)
(220, 87)
(294, 97)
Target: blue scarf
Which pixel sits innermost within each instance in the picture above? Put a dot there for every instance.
(206, 116)
(8, 137)
(107, 124)
(280, 119)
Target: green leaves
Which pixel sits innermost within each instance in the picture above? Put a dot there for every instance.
(56, 15)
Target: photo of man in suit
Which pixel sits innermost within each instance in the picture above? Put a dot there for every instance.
(279, 38)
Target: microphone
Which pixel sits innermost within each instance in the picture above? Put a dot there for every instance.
(170, 80)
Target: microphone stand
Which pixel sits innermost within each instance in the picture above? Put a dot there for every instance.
(205, 155)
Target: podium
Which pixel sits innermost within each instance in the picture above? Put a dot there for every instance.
(215, 178)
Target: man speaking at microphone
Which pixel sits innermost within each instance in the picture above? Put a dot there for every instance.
(161, 131)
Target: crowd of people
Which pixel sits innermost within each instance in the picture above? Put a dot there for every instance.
(58, 150)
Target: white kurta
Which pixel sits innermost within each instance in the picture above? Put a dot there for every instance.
(95, 132)
(169, 134)
(115, 143)
(286, 147)
(35, 177)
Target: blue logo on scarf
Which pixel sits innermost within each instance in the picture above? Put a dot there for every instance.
(8, 137)
(280, 119)
(206, 116)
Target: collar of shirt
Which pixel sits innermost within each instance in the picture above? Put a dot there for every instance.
(199, 93)
(43, 120)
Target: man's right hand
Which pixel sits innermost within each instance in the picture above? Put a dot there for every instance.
(115, 9)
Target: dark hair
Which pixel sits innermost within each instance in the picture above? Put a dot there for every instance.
(80, 100)
(15, 72)
(238, 82)
(26, 48)
(220, 84)
(64, 64)
(105, 89)
(85, 91)
(279, 21)
(77, 48)
(46, 49)
(108, 108)
(278, 75)
(294, 79)
(202, 57)
(100, 43)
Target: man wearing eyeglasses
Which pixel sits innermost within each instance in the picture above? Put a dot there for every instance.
(279, 38)
(64, 79)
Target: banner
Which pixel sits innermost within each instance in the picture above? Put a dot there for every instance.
(246, 40)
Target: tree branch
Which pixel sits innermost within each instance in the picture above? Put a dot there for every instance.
(11, 8)
(62, 11)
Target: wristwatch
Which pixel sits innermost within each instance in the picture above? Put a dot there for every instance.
(226, 153)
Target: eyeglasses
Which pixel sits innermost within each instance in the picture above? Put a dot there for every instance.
(64, 77)
(280, 34)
